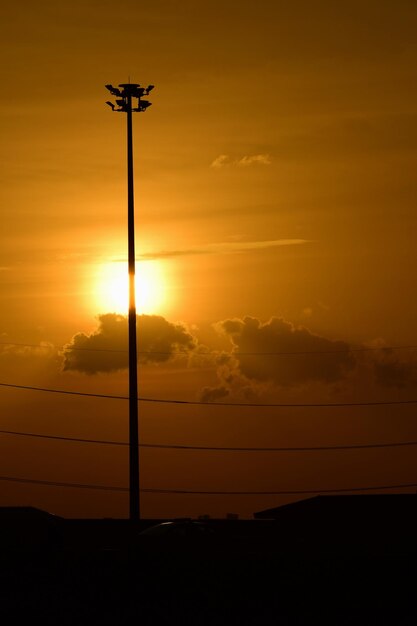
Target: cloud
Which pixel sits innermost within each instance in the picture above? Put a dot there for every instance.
(221, 161)
(228, 247)
(16, 350)
(259, 347)
(232, 383)
(262, 159)
(213, 394)
(22, 358)
(224, 160)
(105, 350)
(394, 369)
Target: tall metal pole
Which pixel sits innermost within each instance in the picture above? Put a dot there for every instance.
(124, 104)
(134, 491)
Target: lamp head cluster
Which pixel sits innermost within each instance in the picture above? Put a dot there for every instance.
(125, 94)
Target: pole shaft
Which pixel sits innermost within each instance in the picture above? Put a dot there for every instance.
(134, 500)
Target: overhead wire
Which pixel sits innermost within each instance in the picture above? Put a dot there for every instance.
(281, 493)
(216, 403)
(54, 483)
(215, 354)
(164, 446)
(216, 448)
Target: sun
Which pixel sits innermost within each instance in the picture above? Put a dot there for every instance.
(111, 291)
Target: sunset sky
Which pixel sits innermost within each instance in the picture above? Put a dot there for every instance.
(275, 190)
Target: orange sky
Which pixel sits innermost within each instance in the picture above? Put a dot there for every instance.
(275, 178)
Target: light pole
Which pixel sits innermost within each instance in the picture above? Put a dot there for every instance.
(125, 96)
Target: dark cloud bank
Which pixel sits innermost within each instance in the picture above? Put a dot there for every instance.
(105, 350)
(331, 361)
(279, 353)
(262, 354)
(276, 352)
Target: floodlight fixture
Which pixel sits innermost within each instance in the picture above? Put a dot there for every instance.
(113, 90)
(127, 93)
(142, 106)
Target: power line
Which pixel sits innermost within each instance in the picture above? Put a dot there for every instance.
(75, 439)
(215, 354)
(54, 483)
(305, 352)
(64, 391)
(37, 345)
(73, 348)
(217, 448)
(279, 493)
(226, 404)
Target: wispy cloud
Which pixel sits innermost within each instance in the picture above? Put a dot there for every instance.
(221, 161)
(262, 159)
(230, 247)
(224, 160)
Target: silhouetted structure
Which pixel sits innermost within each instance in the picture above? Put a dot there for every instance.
(304, 565)
(28, 528)
(376, 523)
(124, 100)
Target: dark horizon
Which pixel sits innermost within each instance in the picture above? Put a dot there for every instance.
(275, 187)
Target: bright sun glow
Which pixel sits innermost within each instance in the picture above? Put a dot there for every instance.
(112, 287)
